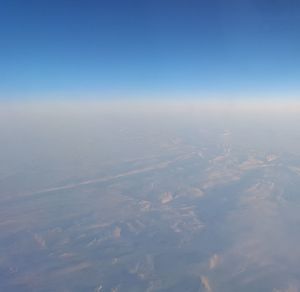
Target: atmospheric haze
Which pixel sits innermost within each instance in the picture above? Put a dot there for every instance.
(150, 196)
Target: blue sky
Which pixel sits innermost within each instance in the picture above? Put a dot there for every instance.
(149, 49)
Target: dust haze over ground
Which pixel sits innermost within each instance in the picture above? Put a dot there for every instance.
(149, 197)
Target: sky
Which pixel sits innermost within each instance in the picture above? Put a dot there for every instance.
(157, 49)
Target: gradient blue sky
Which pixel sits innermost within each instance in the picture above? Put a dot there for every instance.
(149, 49)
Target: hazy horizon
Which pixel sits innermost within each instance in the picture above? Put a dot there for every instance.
(149, 146)
(149, 197)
